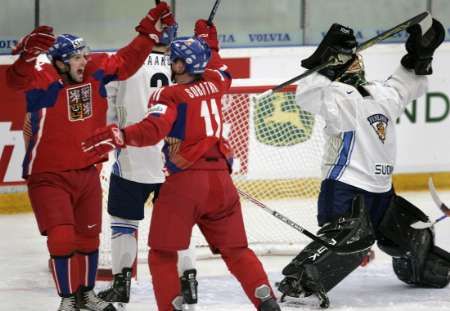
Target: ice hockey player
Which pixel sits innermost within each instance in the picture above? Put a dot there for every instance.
(199, 189)
(66, 101)
(137, 173)
(359, 159)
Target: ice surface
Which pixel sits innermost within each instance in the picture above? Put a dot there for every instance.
(26, 284)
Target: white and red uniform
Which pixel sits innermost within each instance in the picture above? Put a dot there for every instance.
(128, 104)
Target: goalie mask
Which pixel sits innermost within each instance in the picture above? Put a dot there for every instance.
(355, 73)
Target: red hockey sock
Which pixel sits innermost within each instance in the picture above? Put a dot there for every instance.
(247, 268)
(64, 267)
(87, 256)
(166, 284)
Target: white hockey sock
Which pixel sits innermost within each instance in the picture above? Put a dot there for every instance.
(186, 259)
(123, 243)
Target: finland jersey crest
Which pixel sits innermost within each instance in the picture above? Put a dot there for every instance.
(379, 123)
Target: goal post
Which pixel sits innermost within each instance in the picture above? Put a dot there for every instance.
(277, 153)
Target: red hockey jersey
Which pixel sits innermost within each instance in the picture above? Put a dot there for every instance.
(189, 117)
(60, 116)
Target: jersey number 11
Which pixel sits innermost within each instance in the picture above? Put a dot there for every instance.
(206, 111)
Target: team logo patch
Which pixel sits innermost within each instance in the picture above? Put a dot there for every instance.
(379, 123)
(279, 121)
(157, 109)
(79, 101)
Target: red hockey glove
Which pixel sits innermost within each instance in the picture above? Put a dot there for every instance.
(147, 26)
(35, 43)
(104, 140)
(207, 32)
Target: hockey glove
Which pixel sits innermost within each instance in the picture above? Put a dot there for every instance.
(421, 47)
(104, 140)
(35, 43)
(338, 44)
(207, 33)
(148, 25)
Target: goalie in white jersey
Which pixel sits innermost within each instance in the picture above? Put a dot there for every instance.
(137, 173)
(359, 159)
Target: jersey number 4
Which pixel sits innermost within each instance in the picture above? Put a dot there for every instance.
(207, 110)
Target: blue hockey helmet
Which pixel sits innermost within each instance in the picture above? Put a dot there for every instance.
(66, 46)
(168, 35)
(193, 51)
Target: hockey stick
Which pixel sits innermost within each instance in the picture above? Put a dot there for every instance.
(213, 12)
(439, 203)
(334, 61)
(340, 249)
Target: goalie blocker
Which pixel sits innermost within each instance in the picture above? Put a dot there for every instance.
(416, 260)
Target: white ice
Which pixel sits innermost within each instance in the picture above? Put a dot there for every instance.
(26, 284)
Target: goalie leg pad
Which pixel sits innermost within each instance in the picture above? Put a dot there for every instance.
(316, 270)
(416, 260)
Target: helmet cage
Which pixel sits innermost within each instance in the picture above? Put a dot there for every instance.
(355, 73)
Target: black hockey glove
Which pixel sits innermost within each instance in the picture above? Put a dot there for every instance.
(421, 48)
(339, 43)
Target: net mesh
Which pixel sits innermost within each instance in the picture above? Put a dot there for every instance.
(277, 150)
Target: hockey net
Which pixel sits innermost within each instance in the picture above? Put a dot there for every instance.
(278, 149)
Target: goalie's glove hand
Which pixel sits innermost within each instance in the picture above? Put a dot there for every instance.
(104, 140)
(207, 33)
(35, 43)
(149, 24)
(338, 45)
(421, 48)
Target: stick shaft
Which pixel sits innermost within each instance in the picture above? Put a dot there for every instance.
(213, 12)
(382, 36)
(344, 249)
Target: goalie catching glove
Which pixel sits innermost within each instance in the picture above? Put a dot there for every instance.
(104, 140)
(421, 47)
(35, 43)
(338, 44)
(148, 25)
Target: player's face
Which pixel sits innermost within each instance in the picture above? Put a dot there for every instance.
(77, 64)
(178, 68)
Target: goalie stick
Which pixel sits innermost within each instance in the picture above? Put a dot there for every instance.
(354, 247)
(443, 207)
(421, 18)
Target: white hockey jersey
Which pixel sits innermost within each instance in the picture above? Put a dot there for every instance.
(360, 147)
(127, 104)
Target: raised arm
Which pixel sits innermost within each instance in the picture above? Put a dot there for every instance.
(410, 81)
(20, 74)
(130, 58)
